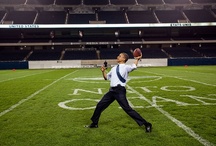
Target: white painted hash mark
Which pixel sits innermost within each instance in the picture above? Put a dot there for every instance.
(32, 95)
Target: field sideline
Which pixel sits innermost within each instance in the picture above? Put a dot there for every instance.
(51, 107)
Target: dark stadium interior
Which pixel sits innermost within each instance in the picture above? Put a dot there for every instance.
(104, 43)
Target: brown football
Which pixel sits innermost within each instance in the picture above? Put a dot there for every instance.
(137, 52)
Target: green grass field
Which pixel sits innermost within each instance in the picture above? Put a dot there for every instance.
(51, 107)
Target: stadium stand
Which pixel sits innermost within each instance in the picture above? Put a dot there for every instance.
(112, 17)
(109, 53)
(68, 2)
(40, 2)
(2, 13)
(51, 17)
(121, 2)
(13, 54)
(106, 40)
(181, 52)
(203, 1)
(153, 53)
(206, 51)
(177, 1)
(149, 2)
(141, 17)
(82, 54)
(81, 18)
(204, 16)
(17, 17)
(169, 16)
(12, 2)
(96, 2)
(45, 54)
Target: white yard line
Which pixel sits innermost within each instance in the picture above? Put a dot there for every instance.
(22, 76)
(32, 95)
(177, 122)
(181, 78)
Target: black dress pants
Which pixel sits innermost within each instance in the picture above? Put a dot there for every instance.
(119, 94)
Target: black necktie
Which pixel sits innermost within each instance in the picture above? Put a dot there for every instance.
(119, 75)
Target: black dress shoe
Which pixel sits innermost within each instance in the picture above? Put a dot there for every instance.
(148, 127)
(92, 125)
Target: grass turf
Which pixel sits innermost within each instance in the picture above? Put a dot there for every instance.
(179, 102)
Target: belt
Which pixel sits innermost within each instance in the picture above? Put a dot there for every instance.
(118, 86)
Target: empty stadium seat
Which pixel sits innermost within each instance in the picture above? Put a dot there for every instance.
(149, 2)
(96, 2)
(123, 2)
(207, 51)
(111, 53)
(181, 52)
(177, 1)
(141, 17)
(112, 17)
(21, 17)
(153, 53)
(169, 16)
(47, 54)
(40, 2)
(12, 2)
(80, 54)
(51, 17)
(2, 13)
(199, 16)
(9, 54)
(203, 1)
(81, 18)
(68, 2)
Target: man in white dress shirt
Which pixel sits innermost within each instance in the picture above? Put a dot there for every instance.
(118, 76)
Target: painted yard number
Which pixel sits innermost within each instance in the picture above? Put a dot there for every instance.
(147, 89)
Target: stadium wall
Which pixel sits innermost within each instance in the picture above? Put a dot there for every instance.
(14, 65)
(95, 63)
(89, 63)
(54, 64)
(191, 61)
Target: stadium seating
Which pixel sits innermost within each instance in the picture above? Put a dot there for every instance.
(112, 17)
(81, 18)
(111, 53)
(203, 16)
(51, 17)
(123, 2)
(203, 1)
(141, 17)
(17, 17)
(207, 51)
(96, 2)
(181, 52)
(149, 2)
(2, 13)
(80, 54)
(110, 12)
(169, 16)
(153, 53)
(68, 2)
(45, 54)
(177, 1)
(13, 54)
(12, 2)
(40, 2)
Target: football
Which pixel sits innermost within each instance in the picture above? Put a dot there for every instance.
(137, 52)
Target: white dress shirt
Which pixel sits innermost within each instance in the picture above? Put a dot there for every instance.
(123, 70)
